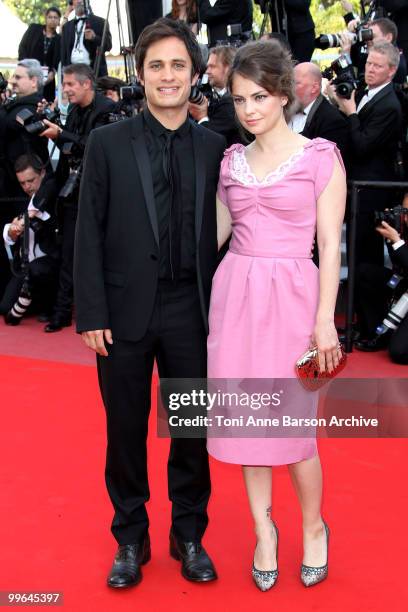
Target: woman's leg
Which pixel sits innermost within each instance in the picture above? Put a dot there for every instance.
(307, 481)
(258, 482)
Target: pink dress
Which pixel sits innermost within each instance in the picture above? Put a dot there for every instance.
(265, 291)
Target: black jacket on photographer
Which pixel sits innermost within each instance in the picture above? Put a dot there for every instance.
(80, 122)
(15, 141)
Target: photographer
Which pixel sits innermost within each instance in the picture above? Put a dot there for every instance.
(217, 113)
(26, 84)
(223, 13)
(44, 44)
(82, 39)
(382, 30)
(89, 111)
(375, 287)
(35, 265)
(374, 120)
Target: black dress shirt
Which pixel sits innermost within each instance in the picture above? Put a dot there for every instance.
(174, 193)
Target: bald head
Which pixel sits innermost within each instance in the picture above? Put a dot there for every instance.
(308, 82)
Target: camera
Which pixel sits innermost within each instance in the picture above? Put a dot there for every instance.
(397, 217)
(202, 89)
(3, 83)
(345, 81)
(328, 41)
(34, 122)
(74, 159)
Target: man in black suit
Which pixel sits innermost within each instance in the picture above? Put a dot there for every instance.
(218, 113)
(145, 255)
(35, 267)
(317, 118)
(82, 39)
(374, 127)
(42, 42)
(222, 14)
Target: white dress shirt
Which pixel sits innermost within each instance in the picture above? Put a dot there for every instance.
(369, 94)
(79, 53)
(34, 251)
(298, 121)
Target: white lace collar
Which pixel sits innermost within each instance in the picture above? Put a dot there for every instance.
(241, 172)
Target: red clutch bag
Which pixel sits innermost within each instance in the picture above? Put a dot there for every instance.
(308, 371)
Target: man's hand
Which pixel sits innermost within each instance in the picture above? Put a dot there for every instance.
(96, 339)
(199, 111)
(347, 6)
(346, 41)
(348, 107)
(89, 34)
(16, 228)
(52, 131)
(388, 232)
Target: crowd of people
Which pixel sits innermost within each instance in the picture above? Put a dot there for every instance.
(162, 264)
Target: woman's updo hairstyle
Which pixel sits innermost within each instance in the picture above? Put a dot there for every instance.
(270, 65)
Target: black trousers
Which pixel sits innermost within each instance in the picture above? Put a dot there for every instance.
(372, 304)
(42, 273)
(176, 339)
(302, 45)
(63, 305)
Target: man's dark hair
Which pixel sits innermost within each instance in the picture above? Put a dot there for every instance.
(387, 27)
(28, 160)
(53, 9)
(82, 73)
(167, 28)
(108, 82)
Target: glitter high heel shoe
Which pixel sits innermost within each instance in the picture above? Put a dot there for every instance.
(313, 575)
(265, 579)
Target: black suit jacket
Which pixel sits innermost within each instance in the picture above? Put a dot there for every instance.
(326, 121)
(374, 133)
(222, 14)
(92, 46)
(116, 259)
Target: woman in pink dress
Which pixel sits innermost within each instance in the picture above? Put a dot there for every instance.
(269, 301)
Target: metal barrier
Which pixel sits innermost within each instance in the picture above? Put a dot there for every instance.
(356, 186)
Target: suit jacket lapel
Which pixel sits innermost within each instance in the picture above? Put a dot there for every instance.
(200, 176)
(378, 96)
(143, 163)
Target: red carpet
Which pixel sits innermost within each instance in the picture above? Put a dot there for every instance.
(55, 512)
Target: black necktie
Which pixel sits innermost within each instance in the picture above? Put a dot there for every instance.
(174, 212)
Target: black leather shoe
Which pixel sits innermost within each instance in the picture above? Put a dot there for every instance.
(378, 343)
(57, 323)
(126, 570)
(196, 565)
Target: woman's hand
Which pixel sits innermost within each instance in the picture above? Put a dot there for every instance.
(327, 341)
